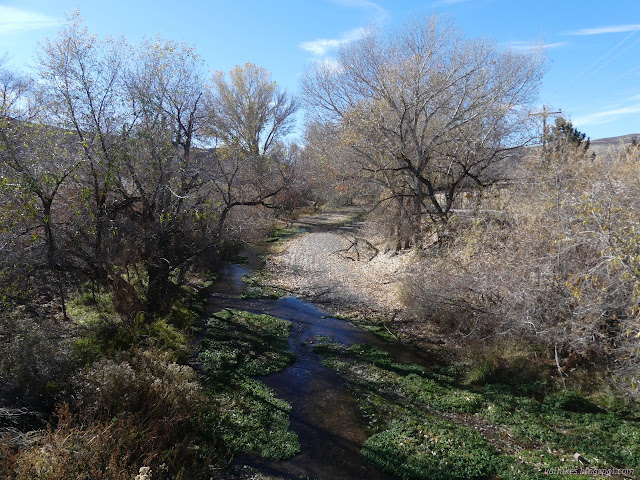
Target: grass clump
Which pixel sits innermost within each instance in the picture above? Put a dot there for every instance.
(281, 234)
(257, 287)
(430, 448)
(90, 308)
(376, 324)
(572, 402)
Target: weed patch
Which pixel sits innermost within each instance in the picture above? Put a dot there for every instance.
(427, 423)
(247, 416)
(430, 448)
(242, 344)
(281, 234)
(258, 287)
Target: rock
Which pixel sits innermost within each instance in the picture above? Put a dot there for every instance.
(580, 459)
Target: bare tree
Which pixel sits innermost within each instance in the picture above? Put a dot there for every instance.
(161, 178)
(426, 111)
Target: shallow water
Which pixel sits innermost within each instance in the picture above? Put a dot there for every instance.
(324, 412)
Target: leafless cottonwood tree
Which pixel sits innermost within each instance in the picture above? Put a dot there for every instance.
(427, 111)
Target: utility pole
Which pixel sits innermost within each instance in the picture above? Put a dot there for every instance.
(544, 114)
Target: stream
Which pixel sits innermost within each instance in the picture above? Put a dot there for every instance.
(324, 412)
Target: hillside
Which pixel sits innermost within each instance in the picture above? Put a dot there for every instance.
(602, 145)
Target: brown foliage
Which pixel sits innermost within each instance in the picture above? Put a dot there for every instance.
(557, 264)
(141, 411)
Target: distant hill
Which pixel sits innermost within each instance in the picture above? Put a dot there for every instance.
(601, 146)
(616, 140)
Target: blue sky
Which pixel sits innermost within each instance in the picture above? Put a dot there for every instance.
(593, 46)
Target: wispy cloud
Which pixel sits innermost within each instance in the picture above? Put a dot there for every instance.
(441, 3)
(15, 20)
(609, 115)
(606, 29)
(360, 4)
(322, 46)
(380, 12)
(528, 46)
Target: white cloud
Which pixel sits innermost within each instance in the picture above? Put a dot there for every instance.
(322, 46)
(358, 4)
(607, 116)
(15, 20)
(528, 46)
(440, 3)
(607, 29)
(380, 13)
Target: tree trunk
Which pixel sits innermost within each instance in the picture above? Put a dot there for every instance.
(158, 287)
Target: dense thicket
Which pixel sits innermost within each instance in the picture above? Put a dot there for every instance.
(549, 261)
(534, 246)
(121, 168)
(127, 161)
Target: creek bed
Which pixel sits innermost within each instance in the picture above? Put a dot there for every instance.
(324, 412)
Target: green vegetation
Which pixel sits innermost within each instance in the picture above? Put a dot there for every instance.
(258, 287)
(246, 416)
(242, 344)
(102, 332)
(137, 402)
(430, 448)
(376, 324)
(280, 234)
(429, 423)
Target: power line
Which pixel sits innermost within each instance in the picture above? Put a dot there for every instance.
(628, 72)
(615, 56)
(544, 114)
(597, 62)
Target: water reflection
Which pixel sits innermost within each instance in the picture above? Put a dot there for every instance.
(324, 412)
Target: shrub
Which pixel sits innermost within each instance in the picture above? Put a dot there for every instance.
(145, 383)
(552, 263)
(572, 402)
(35, 361)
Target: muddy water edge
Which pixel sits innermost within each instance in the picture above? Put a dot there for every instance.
(324, 414)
